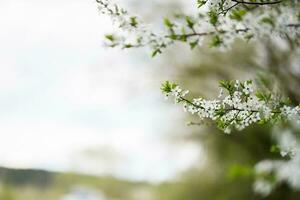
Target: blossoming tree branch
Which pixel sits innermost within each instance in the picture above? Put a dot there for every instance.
(221, 21)
(239, 108)
(217, 24)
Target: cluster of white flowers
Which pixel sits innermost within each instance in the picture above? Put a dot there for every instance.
(118, 15)
(270, 173)
(270, 18)
(287, 142)
(132, 31)
(214, 4)
(178, 93)
(291, 113)
(238, 110)
(221, 20)
(263, 187)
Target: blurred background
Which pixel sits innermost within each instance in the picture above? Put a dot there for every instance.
(79, 121)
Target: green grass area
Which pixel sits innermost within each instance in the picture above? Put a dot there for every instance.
(37, 184)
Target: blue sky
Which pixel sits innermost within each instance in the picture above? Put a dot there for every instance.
(69, 104)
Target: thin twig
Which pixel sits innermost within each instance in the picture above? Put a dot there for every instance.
(257, 3)
(227, 109)
(229, 8)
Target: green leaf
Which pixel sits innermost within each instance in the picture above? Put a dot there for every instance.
(194, 44)
(127, 46)
(220, 112)
(267, 20)
(167, 87)
(216, 41)
(168, 23)
(263, 121)
(249, 82)
(110, 37)
(263, 96)
(237, 14)
(155, 52)
(173, 36)
(189, 22)
(201, 3)
(238, 171)
(213, 17)
(285, 102)
(249, 36)
(133, 21)
(275, 149)
(228, 85)
(182, 38)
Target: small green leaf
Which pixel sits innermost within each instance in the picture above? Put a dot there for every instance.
(133, 21)
(263, 96)
(213, 17)
(167, 87)
(155, 52)
(127, 46)
(220, 112)
(263, 121)
(189, 22)
(285, 102)
(168, 23)
(238, 171)
(228, 85)
(267, 20)
(173, 36)
(237, 14)
(182, 38)
(110, 37)
(200, 3)
(248, 37)
(275, 149)
(216, 41)
(194, 44)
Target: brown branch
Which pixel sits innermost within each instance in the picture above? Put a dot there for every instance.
(224, 12)
(293, 25)
(197, 34)
(257, 3)
(227, 109)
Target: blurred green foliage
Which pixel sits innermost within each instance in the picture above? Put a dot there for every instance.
(17, 184)
(228, 173)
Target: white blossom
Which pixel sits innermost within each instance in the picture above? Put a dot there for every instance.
(221, 20)
(247, 88)
(238, 110)
(263, 187)
(287, 170)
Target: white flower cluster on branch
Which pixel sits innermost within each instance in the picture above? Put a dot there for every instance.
(222, 21)
(271, 173)
(132, 32)
(238, 109)
(239, 105)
